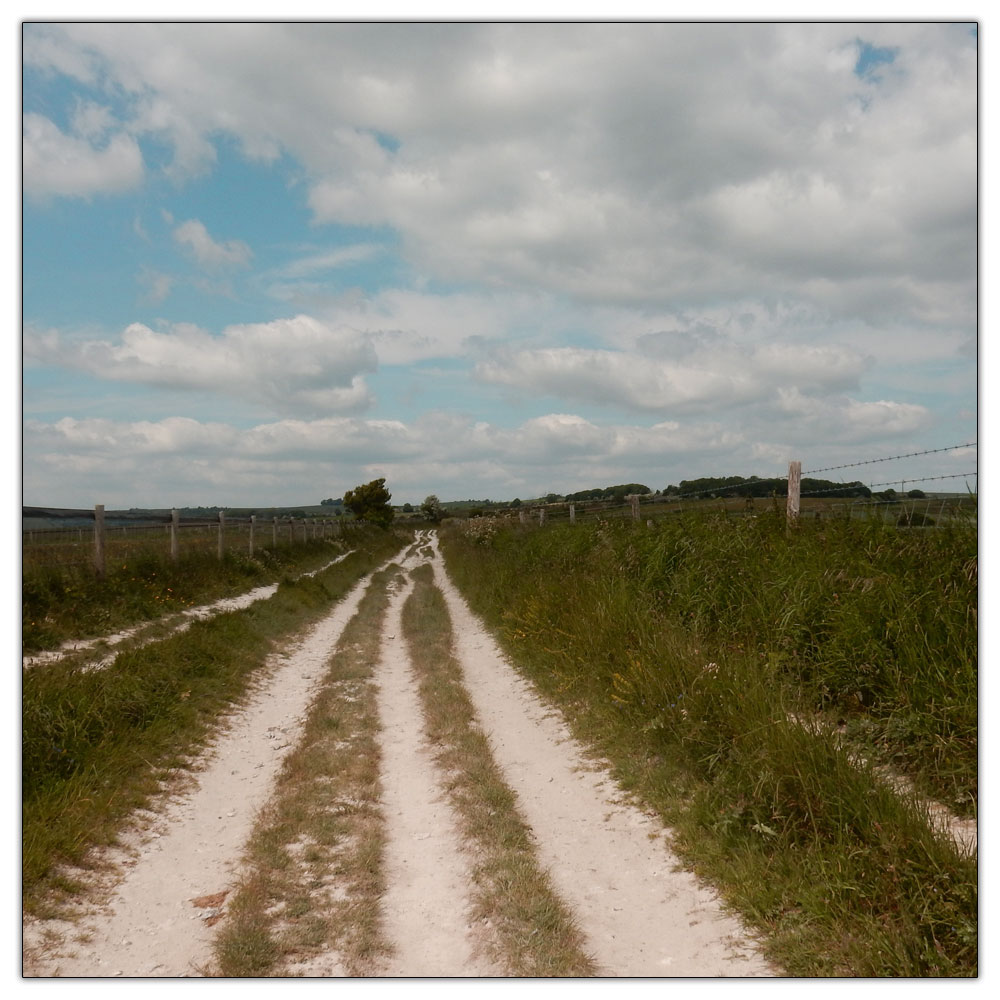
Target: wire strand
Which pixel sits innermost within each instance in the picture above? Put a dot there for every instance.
(892, 458)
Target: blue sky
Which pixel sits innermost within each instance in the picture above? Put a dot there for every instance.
(264, 263)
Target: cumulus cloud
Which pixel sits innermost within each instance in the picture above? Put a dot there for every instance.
(561, 451)
(296, 365)
(741, 232)
(58, 164)
(207, 251)
(702, 381)
(850, 420)
(628, 162)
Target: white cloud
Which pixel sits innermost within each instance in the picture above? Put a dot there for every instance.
(674, 219)
(92, 121)
(706, 380)
(329, 260)
(207, 251)
(57, 164)
(294, 458)
(846, 420)
(156, 283)
(296, 365)
(631, 162)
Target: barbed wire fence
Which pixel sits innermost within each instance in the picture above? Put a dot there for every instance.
(98, 538)
(859, 499)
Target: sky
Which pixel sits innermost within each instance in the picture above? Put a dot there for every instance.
(263, 263)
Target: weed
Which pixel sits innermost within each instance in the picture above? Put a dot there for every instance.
(690, 654)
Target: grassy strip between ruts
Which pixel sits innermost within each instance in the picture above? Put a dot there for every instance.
(529, 931)
(313, 876)
(97, 745)
(842, 876)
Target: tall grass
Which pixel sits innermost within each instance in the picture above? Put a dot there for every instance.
(70, 602)
(96, 743)
(695, 655)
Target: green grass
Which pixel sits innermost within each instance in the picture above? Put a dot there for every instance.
(686, 653)
(70, 602)
(96, 744)
(531, 933)
(323, 823)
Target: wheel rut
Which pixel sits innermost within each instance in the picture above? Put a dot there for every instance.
(610, 867)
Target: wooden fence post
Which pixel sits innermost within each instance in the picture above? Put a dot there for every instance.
(572, 513)
(633, 499)
(522, 516)
(222, 532)
(541, 516)
(253, 524)
(174, 540)
(794, 487)
(99, 565)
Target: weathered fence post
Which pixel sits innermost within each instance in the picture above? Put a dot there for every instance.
(633, 499)
(99, 566)
(572, 513)
(522, 516)
(274, 532)
(291, 529)
(174, 540)
(541, 516)
(794, 487)
(253, 524)
(222, 533)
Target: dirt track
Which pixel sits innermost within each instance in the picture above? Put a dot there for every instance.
(610, 863)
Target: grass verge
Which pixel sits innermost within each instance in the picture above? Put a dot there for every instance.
(313, 873)
(530, 931)
(97, 745)
(61, 603)
(842, 876)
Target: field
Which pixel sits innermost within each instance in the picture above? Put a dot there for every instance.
(762, 693)
(779, 678)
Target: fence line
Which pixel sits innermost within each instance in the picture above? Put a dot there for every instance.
(893, 458)
(660, 506)
(792, 505)
(100, 541)
(925, 479)
(927, 511)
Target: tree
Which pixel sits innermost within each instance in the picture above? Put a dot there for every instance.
(370, 503)
(432, 509)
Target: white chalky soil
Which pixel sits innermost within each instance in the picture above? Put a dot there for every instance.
(608, 860)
